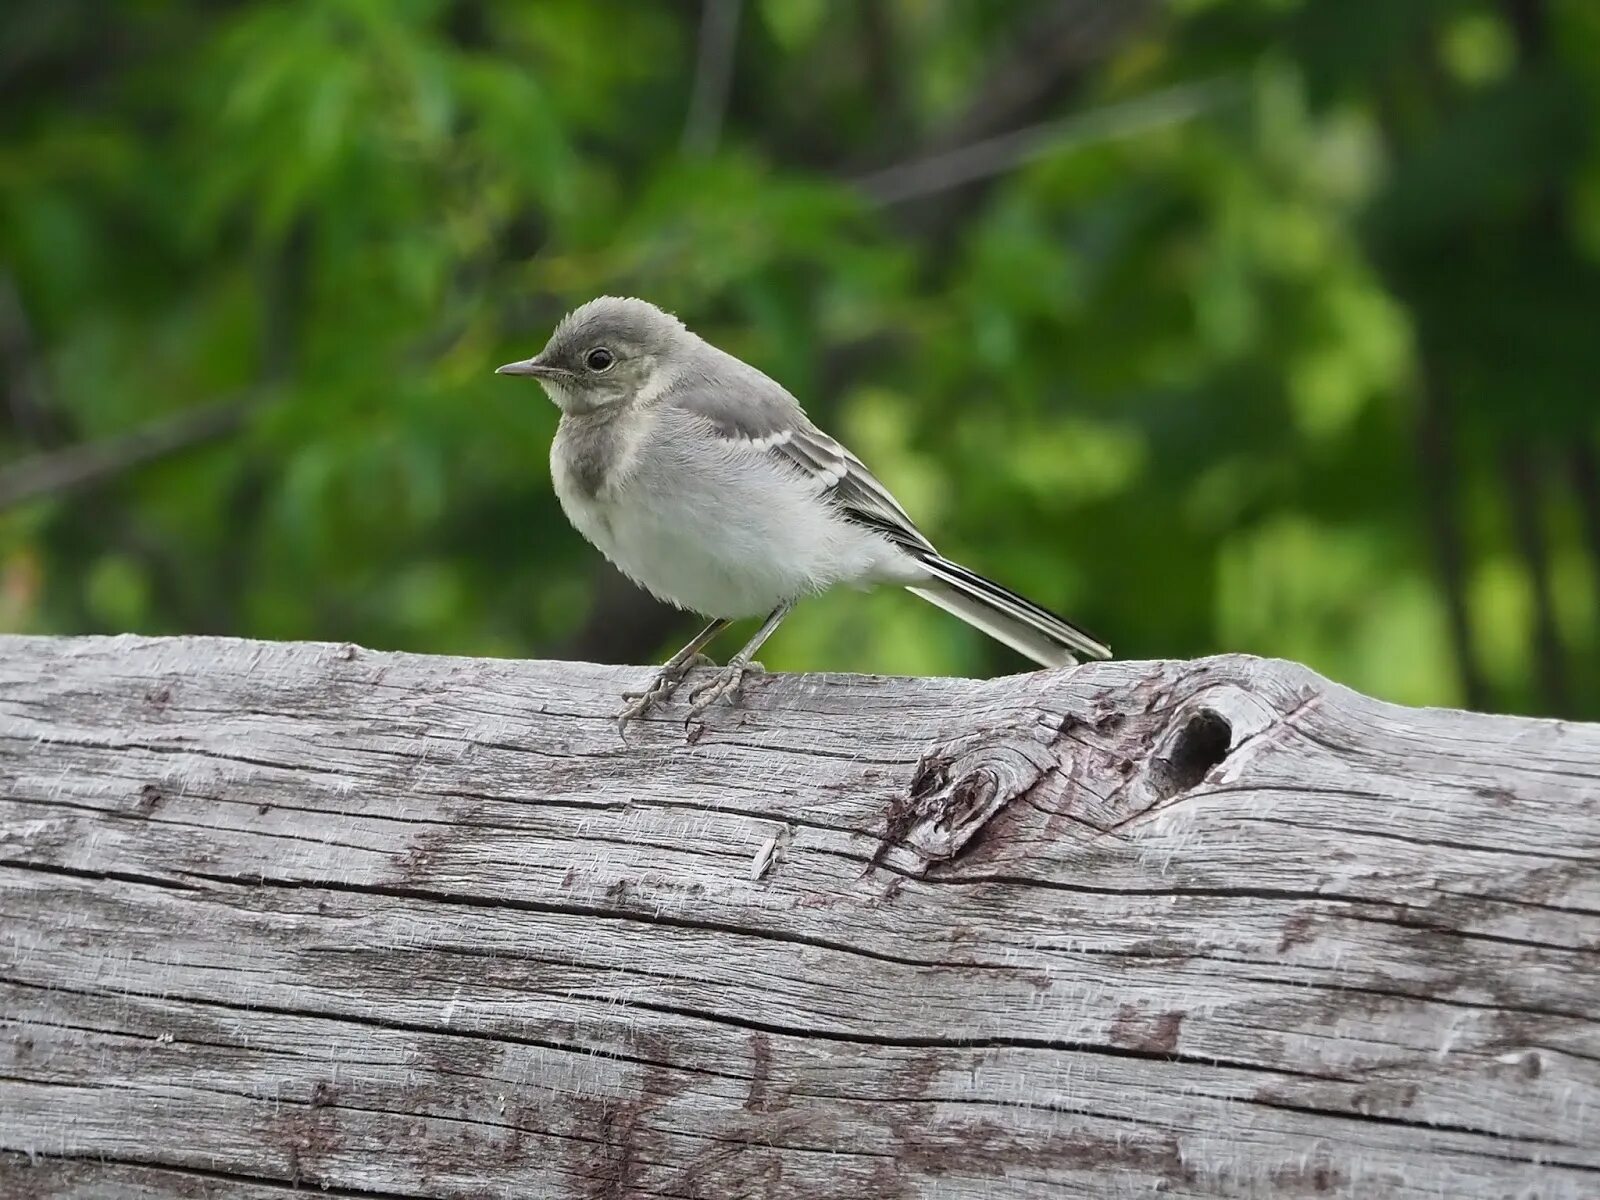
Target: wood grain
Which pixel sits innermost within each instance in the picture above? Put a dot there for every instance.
(312, 916)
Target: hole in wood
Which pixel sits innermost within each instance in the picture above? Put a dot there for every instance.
(1200, 745)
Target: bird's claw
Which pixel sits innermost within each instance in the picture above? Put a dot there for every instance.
(725, 682)
(661, 689)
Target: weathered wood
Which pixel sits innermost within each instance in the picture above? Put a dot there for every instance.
(402, 926)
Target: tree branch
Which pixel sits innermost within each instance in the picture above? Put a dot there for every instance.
(26, 402)
(1436, 468)
(713, 75)
(88, 463)
(1049, 56)
(1584, 467)
(1004, 152)
(1523, 496)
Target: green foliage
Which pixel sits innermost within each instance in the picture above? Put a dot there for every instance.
(1190, 383)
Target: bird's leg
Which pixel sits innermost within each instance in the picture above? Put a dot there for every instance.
(669, 676)
(727, 681)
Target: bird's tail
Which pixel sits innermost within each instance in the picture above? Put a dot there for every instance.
(1006, 616)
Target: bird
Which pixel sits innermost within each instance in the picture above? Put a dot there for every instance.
(702, 480)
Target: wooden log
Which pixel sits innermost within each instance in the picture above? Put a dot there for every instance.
(401, 926)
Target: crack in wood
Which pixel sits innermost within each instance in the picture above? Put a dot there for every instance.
(22, 1164)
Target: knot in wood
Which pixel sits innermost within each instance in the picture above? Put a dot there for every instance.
(1191, 746)
(955, 791)
(1170, 750)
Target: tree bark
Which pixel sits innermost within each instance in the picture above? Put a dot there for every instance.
(389, 925)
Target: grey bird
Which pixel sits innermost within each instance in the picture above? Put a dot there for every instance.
(704, 482)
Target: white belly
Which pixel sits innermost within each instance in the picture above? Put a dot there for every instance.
(733, 537)
(653, 546)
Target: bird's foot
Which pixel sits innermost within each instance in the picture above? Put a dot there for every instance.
(666, 682)
(725, 682)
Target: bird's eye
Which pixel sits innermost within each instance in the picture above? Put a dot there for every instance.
(599, 359)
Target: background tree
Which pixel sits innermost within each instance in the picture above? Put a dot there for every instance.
(1221, 324)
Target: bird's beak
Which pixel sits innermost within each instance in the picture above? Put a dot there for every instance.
(529, 366)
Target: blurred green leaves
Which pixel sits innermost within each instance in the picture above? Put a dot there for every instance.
(1237, 377)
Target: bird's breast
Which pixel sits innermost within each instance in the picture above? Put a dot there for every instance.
(587, 453)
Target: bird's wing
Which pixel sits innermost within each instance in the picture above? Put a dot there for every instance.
(844, 481)
(766, 418)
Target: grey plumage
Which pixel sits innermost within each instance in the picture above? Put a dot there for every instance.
(704, 481)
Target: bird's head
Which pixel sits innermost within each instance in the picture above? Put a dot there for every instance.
(612, 350)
